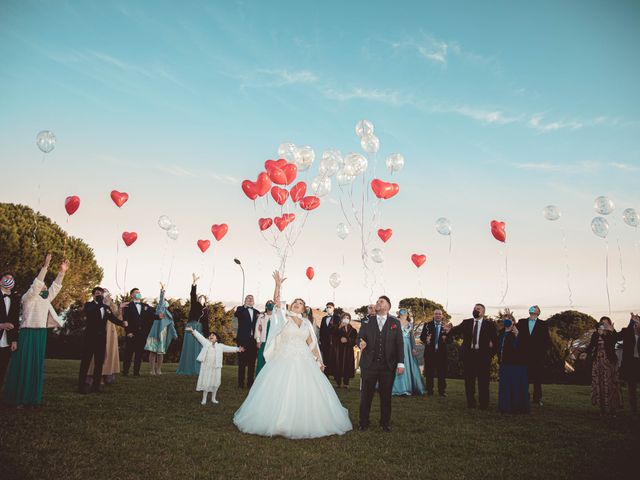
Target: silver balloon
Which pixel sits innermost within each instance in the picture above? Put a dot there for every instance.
(631, 217)
(600, 226)
(370, 143)
(395, 162)
(603, 205)
(443, 226)
(355, 164)
(552, 213)
(173, 233)
(320, 186)
(377, 255)
(364, 128)
(165, 222)
(331, 162)
(288, 151)
(342, 230)
(343, 178)
(335, 280)
(46, 141)
(303, 157)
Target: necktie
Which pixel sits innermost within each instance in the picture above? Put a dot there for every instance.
(380, 323)
(437, 334)
(474, 344)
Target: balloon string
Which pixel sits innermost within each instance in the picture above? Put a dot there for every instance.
(567, 266)
(623, 281)
(213, 270)
(506, 275)
(118, 261)
(164, 256)
(448, 270)
(173, 257)
(37, 212)
(606, 276)
(126, 265)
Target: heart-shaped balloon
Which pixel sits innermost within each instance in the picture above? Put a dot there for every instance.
(384, 190)
(119, 198)
(310, 273)
(498, 230)
(291, 172)
(263, 184)
(281, 223)
(277, 176)
(250, 189)
(289, 217)
(219, 231)
(204, 245)
(280, 195)
(281, 163)
(298, 191)
(264, 223)
(129, 237)
(310, 203)
(385, 234)
(71, 204)
(418, 259)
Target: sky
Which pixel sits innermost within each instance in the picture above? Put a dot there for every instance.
(499, 109)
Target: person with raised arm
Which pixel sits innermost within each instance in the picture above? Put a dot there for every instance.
(162, 333)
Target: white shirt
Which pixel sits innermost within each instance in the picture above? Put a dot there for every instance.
(382, 319)
(3, 334)
(327, 319)
(250, 309)
(477, 340)
(138, 307)
(635, 350)
(101, 310)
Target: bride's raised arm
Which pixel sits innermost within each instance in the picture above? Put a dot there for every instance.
(279, 280)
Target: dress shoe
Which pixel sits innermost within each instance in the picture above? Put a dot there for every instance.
(363, 428)
(442, 394)
(386, 428)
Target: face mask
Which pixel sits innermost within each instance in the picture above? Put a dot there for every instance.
(507, 323)
(202, 301)
(137, 296)
(44, 294)
(345, 321)
(269, 307)
(476, 313)
(99, 298)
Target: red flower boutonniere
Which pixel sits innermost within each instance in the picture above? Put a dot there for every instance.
(393, 326)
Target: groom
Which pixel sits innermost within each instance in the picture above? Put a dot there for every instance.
(380, 341)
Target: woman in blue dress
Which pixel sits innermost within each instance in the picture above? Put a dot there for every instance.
(162, 333)
(513, 389)
(199, 322)
(409, 383)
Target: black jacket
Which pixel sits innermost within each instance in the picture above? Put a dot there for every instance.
(96, 323)
(488, 337)
(536, 343)
(393, 347)
(629, 348)
(430, 350)
(326, 331)
(511, 349)
(197, 313)
(246, 325)
(609, 346)
(12, 316)
(138, 323)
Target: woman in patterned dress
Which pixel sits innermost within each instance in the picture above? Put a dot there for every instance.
(605, 387)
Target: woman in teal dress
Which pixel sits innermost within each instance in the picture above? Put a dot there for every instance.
(162, 333)
(410, 382)
(199, 321)
(262, 333)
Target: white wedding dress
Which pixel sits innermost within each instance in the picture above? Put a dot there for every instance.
(291, 397)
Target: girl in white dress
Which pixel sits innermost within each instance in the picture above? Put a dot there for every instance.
(211, 364)
(292, 397)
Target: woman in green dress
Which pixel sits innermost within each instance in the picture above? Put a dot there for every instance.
(262, 333)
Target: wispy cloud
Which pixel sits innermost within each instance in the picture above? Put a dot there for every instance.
(584, 167)
(390, 97)
(489, 116)
(175, 170)
(438, 51)
(224, 179)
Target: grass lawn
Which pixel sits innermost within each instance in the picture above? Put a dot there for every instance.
(155, 428)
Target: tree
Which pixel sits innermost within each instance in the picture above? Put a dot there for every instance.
(571, 324)
(25, 239)
(422, 308)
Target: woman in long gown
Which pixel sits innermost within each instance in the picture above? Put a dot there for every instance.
(162, 333)
(411, 382)
(605, 385)
(344, 339)
(198, 321)
(513, 389)
(292, 397)
(262, 333)
(111, 364)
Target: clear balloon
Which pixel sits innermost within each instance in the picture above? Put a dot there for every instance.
(443, 226)
(631, 217)
(342, 230)
(370, 143)
(288, 151)
(320, 186)
(603, 205)
(173, 233)
(331, 162)
(344, 178)
(600, 226)
(551, 213)
(395, 162)
(364, 128)
(335, 280)
(165, 222)
(46, 141)
(304, 157)
(355, 164)
(377, 255)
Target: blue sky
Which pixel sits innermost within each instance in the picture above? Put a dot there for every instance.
(499, 110)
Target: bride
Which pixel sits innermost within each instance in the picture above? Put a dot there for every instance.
(292, 397)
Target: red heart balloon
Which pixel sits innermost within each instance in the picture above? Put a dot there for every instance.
(384, 190)
(277, 175)
(71, 204)
(119, 198)
(310, 273)
(418, 260)
(129, 237)
(219, 231)
(385, 234)
(263, 184)
(264, 223)
(298, 191)
(310, 203)
(289, 217)
(498, 230)
(280, 195)
(204, 245)
(281, 163)
(281, 223)
(291, 172)
(250, 190)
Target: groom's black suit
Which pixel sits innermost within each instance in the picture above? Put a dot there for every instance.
(380, 358)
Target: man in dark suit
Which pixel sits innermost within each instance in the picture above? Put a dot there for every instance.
(434, 337)
(380, 341)
(139, 317)
(97, 312)
(328, 325)
(479, 345)
(534, 339)
(9, 321)
(247, 316)
(630, 368)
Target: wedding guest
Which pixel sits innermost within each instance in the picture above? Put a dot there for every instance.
(327, 326)
(97, 313)
(480, 340)
(9, 316)
(247, 317)
(434, 337)
(199, 321)
(262, 333)
(411, 382)
(534, 339)
(162, 333)
(630, 368)
(111, 364)
(25, 379)
(513, 389)
(605, 387)
(139, 317)
(344, 339)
